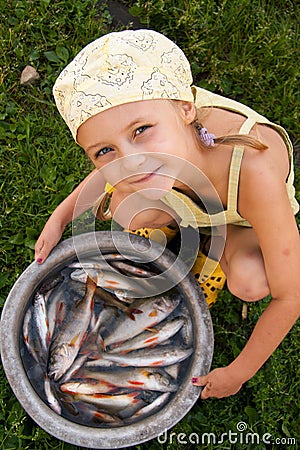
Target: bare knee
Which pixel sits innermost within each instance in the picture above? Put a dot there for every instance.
(246, 278)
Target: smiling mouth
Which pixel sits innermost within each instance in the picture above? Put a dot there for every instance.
(146, 177)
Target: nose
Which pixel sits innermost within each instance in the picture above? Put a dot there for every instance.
(134, 162)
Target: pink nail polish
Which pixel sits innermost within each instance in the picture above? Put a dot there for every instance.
(39, 260)
(194, 380)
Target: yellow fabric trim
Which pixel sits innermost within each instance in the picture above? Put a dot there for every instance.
(204, 98)
(109, 189)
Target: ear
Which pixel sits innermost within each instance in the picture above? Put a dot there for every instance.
(188, 110)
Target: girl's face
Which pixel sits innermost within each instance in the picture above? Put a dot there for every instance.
(141, 145)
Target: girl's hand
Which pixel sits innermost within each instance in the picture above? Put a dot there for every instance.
(48, 238)
(219, 383)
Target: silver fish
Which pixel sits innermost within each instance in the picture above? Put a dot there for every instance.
(158, 403)
(187, 329)
(98, 265)
(153, 379)
(58, 303)
(51, 283)
(39, 318)
(51, 399)
(154, 310)
(108, 280)
(28, 336)
(111, 300)
(151, 337)
(131, 270)
(173, 370)
(56, 311)
(100, 363)
(75, 367)
(111, 403)
(67, 342)
(153, 357)
(99, 415)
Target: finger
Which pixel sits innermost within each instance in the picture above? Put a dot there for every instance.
(199, 381)
(206, 392)
(41, 252)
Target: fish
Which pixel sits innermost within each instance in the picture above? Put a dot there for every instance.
(109, 280)
(111, 300)
(154, 310)
(151, 408)
(153, 357)
(88, 387)
(131, 270)
(74, 368)
(100, 363)
(51, 399)
(28, 337)
(111, 403)
(187, 329)
(173, 370)
(67, 342)
(150, 337)
(56, 311)
(100, 264)
(99, 415)
(153, 379)
(39, 318)
(51, 283)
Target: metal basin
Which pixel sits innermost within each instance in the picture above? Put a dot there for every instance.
(11, 324)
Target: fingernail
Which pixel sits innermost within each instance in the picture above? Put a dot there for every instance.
(39, 260)
(194, 380)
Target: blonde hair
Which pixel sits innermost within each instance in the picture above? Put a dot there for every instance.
(232, 139)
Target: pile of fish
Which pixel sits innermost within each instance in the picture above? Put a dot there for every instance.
(106, 358)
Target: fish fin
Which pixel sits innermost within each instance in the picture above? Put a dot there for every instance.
(100, 342)
(48, 338)
(74, 340)
(60, 312)
(152, 330)
(136, 383)
(151, 340)
(103, 416)
(91, 284)
(131, 311)
(153, 313)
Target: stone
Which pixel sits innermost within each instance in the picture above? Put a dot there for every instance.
(29, 76)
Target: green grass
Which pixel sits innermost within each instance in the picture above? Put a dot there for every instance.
(245, 49)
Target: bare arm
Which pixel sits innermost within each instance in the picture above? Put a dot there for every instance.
(264, 203)
(73, 206)
(273, 221)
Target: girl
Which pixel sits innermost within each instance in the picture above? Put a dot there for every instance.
(128, 101)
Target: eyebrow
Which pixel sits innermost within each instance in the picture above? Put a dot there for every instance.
(136, 121)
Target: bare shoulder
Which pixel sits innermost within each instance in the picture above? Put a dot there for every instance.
(273, 162)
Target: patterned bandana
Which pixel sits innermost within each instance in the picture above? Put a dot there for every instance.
(119, 68)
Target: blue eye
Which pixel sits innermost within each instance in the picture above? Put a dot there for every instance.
(140, 130)
(103, 151)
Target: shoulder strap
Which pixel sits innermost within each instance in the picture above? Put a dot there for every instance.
(235, 166)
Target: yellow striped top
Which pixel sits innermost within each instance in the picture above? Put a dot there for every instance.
(189, 212)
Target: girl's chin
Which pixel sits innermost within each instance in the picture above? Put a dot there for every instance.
(157, 190)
